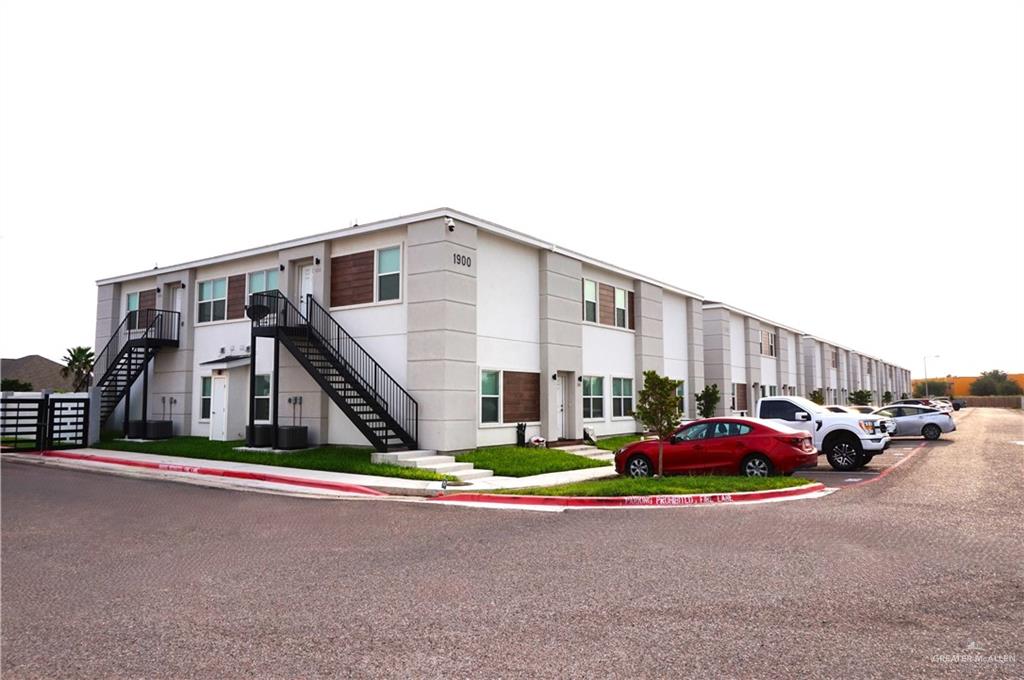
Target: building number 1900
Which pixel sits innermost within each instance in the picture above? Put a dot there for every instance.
(463, 260)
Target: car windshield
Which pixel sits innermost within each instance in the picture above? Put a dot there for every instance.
(808, 405)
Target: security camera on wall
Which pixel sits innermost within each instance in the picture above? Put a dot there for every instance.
(450, 223)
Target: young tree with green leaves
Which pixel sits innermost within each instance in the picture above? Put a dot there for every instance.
(817, 396)
(78, 362)
(657, 408)
(886, 398)
(707, 401)
(935, 388)
(862, 397)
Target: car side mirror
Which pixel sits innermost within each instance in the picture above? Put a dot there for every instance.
(803, 415)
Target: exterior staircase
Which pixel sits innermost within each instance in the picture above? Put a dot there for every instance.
(429, 460)
(376, 404)
(132, 346)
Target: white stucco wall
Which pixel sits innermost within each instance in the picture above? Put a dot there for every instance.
(738, 350)
(609, 353)
(508, 320)
(675, 330)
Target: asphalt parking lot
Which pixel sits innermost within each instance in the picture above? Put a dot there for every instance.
(917, 575)
(901, 448)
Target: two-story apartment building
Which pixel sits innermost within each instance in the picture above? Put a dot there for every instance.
(439, 330)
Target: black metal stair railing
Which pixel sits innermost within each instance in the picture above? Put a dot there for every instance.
(139, 327)
(272, 309)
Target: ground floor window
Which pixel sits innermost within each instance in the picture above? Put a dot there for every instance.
(261, 402)
(732, 398)
(206, 397)
(622, 397)
(593, 397)
(681, 396)
(773, 391)
(490, 396)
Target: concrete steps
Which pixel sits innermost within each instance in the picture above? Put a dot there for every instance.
(588, 451)
(429, 460)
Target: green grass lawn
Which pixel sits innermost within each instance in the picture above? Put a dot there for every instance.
(512, 461)
(330, 458)
(683, 484)
(616, 443)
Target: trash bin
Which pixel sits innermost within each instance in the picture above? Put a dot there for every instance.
(521, 434)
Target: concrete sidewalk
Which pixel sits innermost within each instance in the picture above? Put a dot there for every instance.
(279, 479)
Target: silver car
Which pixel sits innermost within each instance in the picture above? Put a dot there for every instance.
(918, 421)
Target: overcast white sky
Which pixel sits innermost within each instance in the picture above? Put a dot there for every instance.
(855, 170)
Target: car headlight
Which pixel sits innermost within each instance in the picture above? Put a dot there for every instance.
(868, 426)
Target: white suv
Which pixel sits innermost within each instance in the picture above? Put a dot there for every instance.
(848, 440)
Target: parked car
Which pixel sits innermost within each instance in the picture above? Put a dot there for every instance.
(848, 440)
(918, 421)
(959, 404)
(937, 404)
(836, 408)
(858, 408)
(729, 446)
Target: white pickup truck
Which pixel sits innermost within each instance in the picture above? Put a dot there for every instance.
(849, 441)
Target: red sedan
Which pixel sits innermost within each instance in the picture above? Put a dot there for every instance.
(729, 446)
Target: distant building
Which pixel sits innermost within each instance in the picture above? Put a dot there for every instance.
(960, 385)
(40, 372)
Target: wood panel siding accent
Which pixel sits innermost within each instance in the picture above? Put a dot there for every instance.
(630, 310)
(352, 279)
(236, 296)
(741, 397)
(147, 299)
(606, 304)
(520, 394)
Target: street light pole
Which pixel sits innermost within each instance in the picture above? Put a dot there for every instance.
(927, 392)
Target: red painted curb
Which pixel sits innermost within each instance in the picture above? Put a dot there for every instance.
(633, 501)
(913, 452)
(215, 472)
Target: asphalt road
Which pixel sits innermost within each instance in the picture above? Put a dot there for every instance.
(920, 574)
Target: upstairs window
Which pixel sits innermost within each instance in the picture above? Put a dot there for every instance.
(620, 308)
(589, 300)
(389, 273)
(132, 307)
(593, 397)
(213, 300)
(768, 340)
(835, 359)
(261, 282)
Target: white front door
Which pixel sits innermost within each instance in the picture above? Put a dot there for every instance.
(219, 409)
(175, 299)
(305, 286)
(565, 397)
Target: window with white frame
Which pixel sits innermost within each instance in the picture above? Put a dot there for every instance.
(589, 300)
(622, 397)
(620, 308)
(131, 304)
(764, 391)
(593, 397)
(205, 397)
(732, 398)
(261, 400)
(681, 396)
(213, 300)
(773, 391)
(389, 273)
(490, 396)
(261, 282)
(772, 344)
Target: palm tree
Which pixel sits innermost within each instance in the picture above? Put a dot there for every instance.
(78, 362)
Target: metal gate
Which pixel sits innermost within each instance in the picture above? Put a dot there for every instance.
(40, 423)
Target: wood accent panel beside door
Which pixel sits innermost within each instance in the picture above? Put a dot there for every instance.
(147, 299)
(352, 279)
(236, 296)
(520, 397)
(606, 304)
(741, 397)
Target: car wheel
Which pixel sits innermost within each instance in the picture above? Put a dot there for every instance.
(931, 431)
(844, 453)
(865, 459)
(638, 466)
(756, 465)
